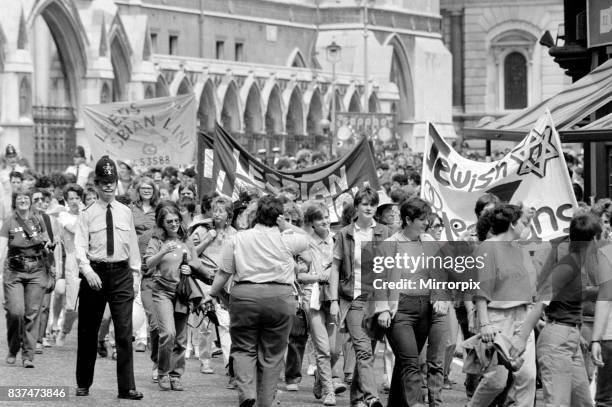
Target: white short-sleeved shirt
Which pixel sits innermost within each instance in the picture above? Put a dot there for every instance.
(263, 255)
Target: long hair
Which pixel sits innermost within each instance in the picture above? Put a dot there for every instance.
(162, 210)
(149, 182)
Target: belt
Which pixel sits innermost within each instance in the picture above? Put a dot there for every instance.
(109, 265)
(267, 283)
(557, 322)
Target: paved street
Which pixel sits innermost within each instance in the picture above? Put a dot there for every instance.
(56, 367)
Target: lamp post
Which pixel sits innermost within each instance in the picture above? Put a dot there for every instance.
(366, 104)
(333, 53)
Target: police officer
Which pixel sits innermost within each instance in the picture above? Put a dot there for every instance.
(107, 254)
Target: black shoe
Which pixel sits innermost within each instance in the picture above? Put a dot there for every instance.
(131, 395)
(82, 391)
(374, 403)
(102, 349)
(248, 403)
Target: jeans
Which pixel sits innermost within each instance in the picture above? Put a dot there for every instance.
(172, 333)
(43, 316)
(146, 296)
(564, 378)
(260, 322)
(437, 340)
(493, 382)
(323, 333)
(23, 295)
(363, 386)
(603, 397)
(407, 335)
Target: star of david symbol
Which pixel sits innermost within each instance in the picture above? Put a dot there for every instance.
(535, 152)
(108, 170)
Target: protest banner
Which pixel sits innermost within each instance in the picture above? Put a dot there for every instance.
(152, 132)
(534, 173)
(230, 169)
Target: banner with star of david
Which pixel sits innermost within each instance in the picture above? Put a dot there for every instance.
(534, 173)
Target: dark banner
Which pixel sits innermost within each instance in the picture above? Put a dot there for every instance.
(229, 169)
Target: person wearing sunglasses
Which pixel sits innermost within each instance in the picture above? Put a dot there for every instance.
(164, 256)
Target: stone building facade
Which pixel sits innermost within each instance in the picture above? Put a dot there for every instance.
(499, 65)
(258, 67)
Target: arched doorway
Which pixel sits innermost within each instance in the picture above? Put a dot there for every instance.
(401, 75)
(120, 60)
(59, 60)
(207, 111)
(313, 120)
(253, 122)
(373, 104)
(295, 122)
(274, 119)
(230, 114)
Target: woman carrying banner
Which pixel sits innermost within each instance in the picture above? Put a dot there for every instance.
(25, 277)
(507, 289)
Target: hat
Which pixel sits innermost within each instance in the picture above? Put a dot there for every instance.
(10, 151)
(276, 150)
(106, 170)
(127, 163)
(79, 151)
(261, 151)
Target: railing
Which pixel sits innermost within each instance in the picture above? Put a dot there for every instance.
(54, 137)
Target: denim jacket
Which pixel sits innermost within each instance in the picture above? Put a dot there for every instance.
(345, 244)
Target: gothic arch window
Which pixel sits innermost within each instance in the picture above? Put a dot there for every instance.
(150, 92)
(512, 54)
(515, 81)
(25, 98)
(105, 95)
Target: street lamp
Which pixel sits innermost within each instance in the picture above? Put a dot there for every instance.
(333, 52)
(366, 102)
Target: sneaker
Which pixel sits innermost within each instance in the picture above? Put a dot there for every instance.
(175, 383)
(39, 348)
(339, 386)
(317, 388)
(164, 383)
(348, 378)
(448, 385)
(140, 347)
(293, 387)
(311, 370)
(60, 340)
(11, 359)
(205, 368)
(46, 343)
(329, 400)
(216, 352)
(188, 353)
(232, 384)
(154, 374)
(28, 364)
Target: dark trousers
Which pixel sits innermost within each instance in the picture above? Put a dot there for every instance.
(295, 356)
(118, 291)
(43, 317)
(407, 336)
(146, 295)
(471, 380)
(603, 397)
(23, 294)
(261, 316)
